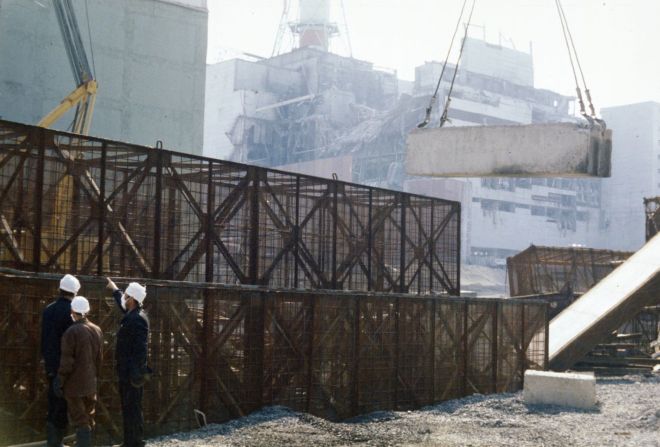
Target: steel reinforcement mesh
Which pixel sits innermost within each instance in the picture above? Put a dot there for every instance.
(539, 270)
(91, 206)
(227, 351)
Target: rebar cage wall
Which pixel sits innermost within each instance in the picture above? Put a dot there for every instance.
(550, 270)
(559, 275)
(90, 206)
(229, 350)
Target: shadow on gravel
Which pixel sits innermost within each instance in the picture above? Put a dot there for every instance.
(618, 380)
(265, 415)
(376, 416)
(557, 409)
(502, 401)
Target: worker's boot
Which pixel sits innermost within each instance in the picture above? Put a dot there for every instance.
(54, 435)
(83, 437)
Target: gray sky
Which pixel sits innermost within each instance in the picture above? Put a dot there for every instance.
(618, 41)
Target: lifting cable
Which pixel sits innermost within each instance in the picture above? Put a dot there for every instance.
(429, 109)
(91, 45)
(572, 53)
(445, 110)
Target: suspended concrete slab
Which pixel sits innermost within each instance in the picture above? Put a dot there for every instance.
(535, 150)
(613, 301)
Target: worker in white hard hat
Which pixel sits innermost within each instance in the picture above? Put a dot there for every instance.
(56, 319)
(80, 366)
(131, 358)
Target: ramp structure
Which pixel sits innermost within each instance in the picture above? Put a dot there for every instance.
(558, 149)
(605, 307)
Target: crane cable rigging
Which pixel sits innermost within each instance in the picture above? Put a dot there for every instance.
(572, 53)
(429, 109)
(445, 110)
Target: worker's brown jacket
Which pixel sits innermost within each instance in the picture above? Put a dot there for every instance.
(82, 354)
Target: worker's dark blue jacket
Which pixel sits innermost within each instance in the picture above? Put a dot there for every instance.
(55, 320)
(131, 350)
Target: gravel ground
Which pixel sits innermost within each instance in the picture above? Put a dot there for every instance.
(628, 415)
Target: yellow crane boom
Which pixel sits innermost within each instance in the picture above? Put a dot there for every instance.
(84, 96)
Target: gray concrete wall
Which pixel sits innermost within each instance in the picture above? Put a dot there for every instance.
(558, 149)
(150, 58)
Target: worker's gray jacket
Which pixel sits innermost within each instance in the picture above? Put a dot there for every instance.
(82, 354)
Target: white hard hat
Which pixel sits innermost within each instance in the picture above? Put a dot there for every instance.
(136, 291)
(69, 283)
(80, 305)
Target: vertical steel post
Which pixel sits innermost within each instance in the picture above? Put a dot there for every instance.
(397, 349)
(335, 185)
(254, 346)
(155, 268)
(464, 340)
(296, 235)
(432, 347)
(432, 249)
(370, 240)
(513, 289)
(209, 300)
(458, 250)
(523, 346)
(169, 220)
(205, 362)
(355, 372)
(494, 344)
(402, 246)
(546, 338)
(309, 327)
(75, 220)
(101, 210)
(38, 200)
(253, 267)
(124, 221)
(210, 208)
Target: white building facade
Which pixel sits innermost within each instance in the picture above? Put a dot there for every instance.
(635, 171)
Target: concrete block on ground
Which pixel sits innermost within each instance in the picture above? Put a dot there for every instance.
(535, 150)
(577, 390)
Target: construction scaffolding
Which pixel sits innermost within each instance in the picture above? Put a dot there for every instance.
(652, 209)
(91, 206)
(227, 351)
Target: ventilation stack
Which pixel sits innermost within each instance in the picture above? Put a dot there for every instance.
(314, 28)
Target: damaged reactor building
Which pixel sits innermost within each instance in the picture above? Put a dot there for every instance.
(316, 112)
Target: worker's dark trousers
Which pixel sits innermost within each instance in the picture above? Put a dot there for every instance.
(56, 408)
(131, 410)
